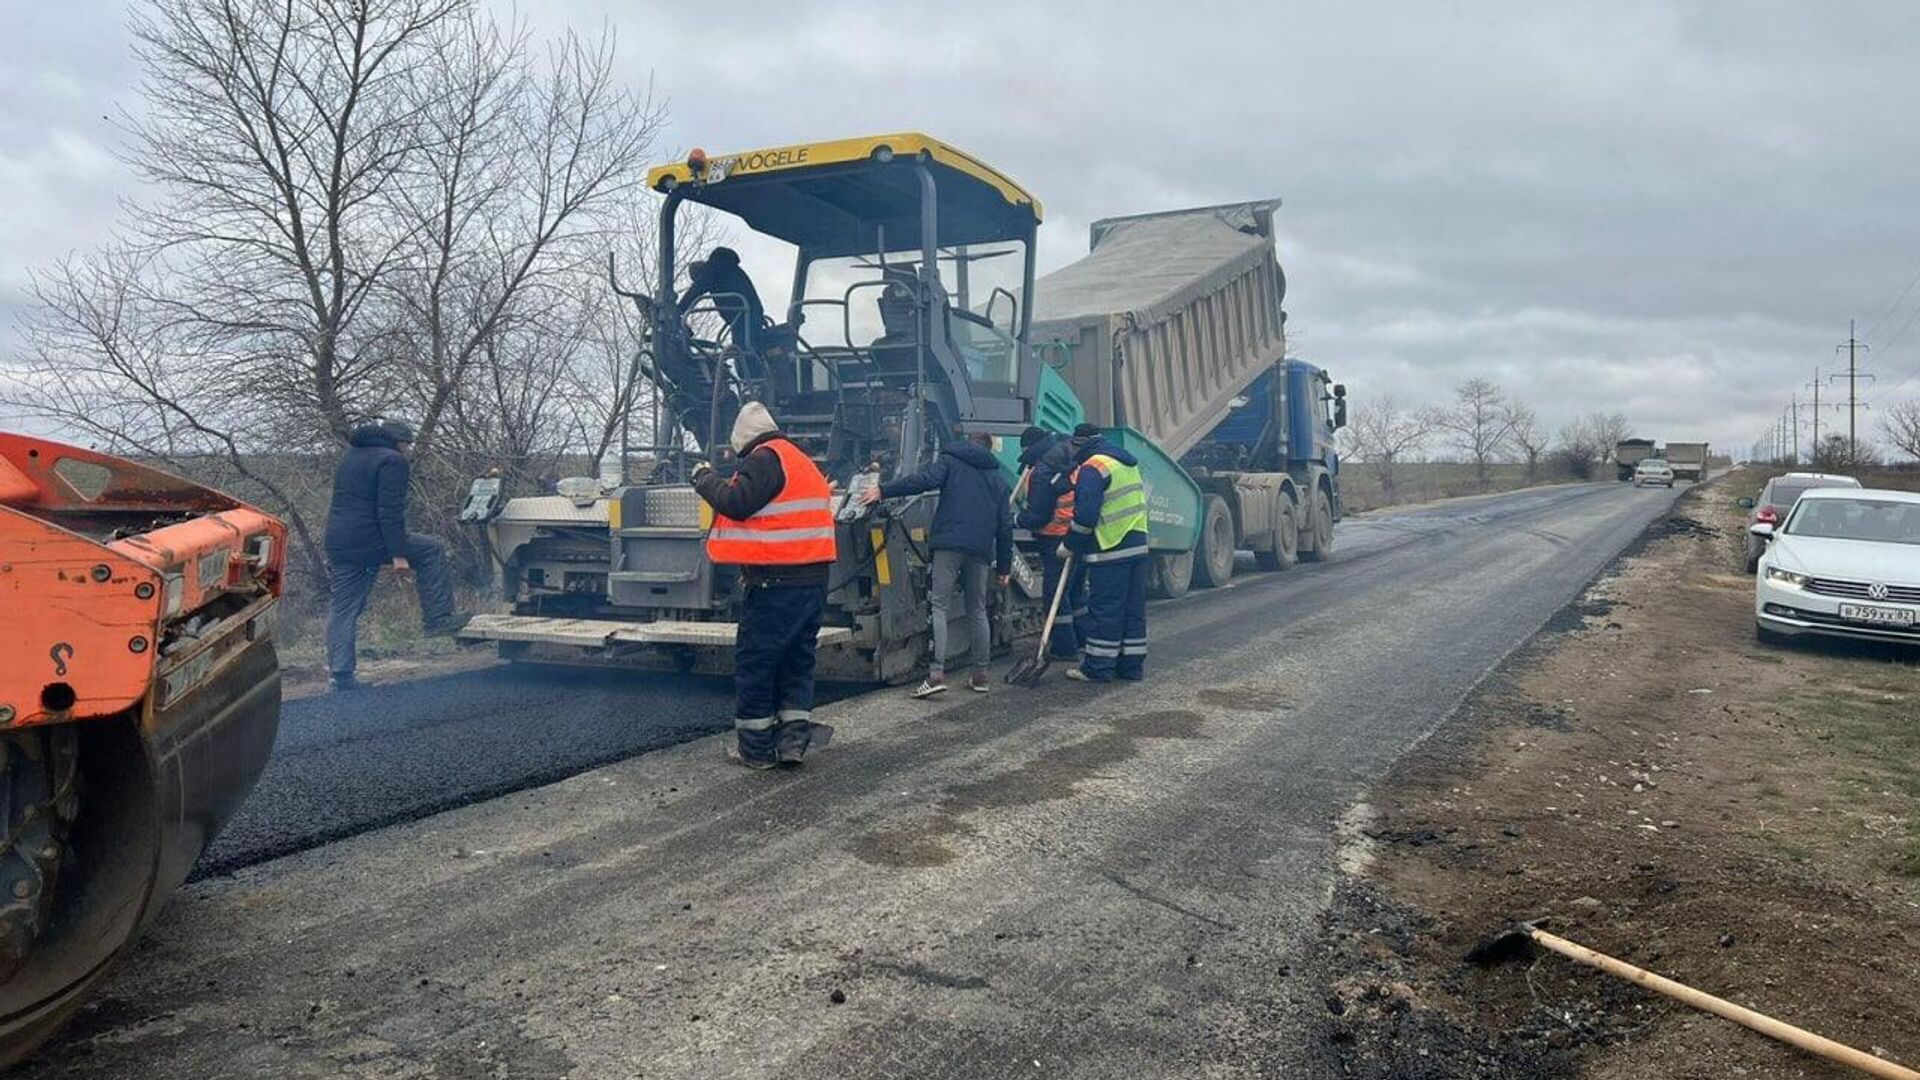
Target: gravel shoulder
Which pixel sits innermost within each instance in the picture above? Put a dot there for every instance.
(1740, 817)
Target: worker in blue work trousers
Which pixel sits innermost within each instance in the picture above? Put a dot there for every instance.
(774, 519)
(1048, 459)
(1109, 533)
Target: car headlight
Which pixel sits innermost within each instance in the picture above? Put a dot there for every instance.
(1786, 577)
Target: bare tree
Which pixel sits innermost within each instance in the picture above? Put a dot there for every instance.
(1836, 454)
(1479, 423)
(1589, 440)
(1901, 426)
(1611, 429)
(1383, 434)
(364, 208)
(1523, 428)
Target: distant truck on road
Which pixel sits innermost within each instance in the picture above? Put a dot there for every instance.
(1689, 460)
(1630, 452)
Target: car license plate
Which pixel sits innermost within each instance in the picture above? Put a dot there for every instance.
(1883, 616)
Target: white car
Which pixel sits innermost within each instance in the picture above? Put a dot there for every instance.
(1652, 470)
(1844, 563)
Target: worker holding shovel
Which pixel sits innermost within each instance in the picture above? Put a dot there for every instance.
(1048, 514)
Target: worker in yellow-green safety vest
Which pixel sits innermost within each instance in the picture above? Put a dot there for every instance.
(1109, 535)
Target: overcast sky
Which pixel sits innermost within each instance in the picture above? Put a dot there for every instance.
(1667, 209)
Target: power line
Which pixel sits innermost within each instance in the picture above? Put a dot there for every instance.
(1895, 306)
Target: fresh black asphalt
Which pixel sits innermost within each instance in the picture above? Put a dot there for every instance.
(346, 763)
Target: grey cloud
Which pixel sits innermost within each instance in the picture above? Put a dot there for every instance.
(1667, 208)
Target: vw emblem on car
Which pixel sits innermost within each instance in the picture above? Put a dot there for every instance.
(1877, 591)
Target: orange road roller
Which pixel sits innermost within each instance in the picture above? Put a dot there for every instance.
(139, 698)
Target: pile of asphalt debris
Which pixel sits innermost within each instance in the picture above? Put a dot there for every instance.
(1682, 525)
(1398, 1008)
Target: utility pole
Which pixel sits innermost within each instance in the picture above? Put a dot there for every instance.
(1793, 406)
(1815, 456)
(1854, 347)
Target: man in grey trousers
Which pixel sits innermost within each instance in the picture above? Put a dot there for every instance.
(366, 531)
(972, 540)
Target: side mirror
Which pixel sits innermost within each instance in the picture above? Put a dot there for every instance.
(1339, 412)
(1762, 530)
(1339, 390)
(1745, 504)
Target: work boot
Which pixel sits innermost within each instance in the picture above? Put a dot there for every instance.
(340, 684)
(929, 686)
(977, 682)
(448, 626)
(1078, 674)
(755, 747)
(796, 738)
(733, 757)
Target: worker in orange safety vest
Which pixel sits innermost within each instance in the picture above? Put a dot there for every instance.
(773, 518)
(1048, 459)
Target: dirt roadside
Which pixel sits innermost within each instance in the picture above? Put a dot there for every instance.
(1740, 817)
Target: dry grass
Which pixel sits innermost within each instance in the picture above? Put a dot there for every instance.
(1429, 480)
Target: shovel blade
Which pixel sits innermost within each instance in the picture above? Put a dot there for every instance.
(1027, 672)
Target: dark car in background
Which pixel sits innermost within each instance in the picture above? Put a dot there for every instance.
(1778, 497)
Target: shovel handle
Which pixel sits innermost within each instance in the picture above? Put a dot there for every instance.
(1053, 609)
(1739, 1014)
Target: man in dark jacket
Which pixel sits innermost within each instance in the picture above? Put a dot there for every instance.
(1048, 512)
(972, 532)
(773, 518)
(734, 296)
(366, 530)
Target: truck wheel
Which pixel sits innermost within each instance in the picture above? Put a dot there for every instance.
(1320, 528)
(1172, 575)
(1285, 546)
(37, 797)
(1213, 558)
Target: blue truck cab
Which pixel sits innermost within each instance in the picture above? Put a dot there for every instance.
(1285, 422)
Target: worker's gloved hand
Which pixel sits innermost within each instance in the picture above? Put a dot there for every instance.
(1004, 579)
(1063, 552)
(701, 470)
(870, 496)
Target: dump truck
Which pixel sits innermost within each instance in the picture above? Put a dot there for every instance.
(914, 318)
(139, 699)
(1630, 452)
(1173, 326)
(1689, 460)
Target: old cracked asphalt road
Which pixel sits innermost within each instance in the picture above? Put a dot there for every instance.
(1074, 882)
